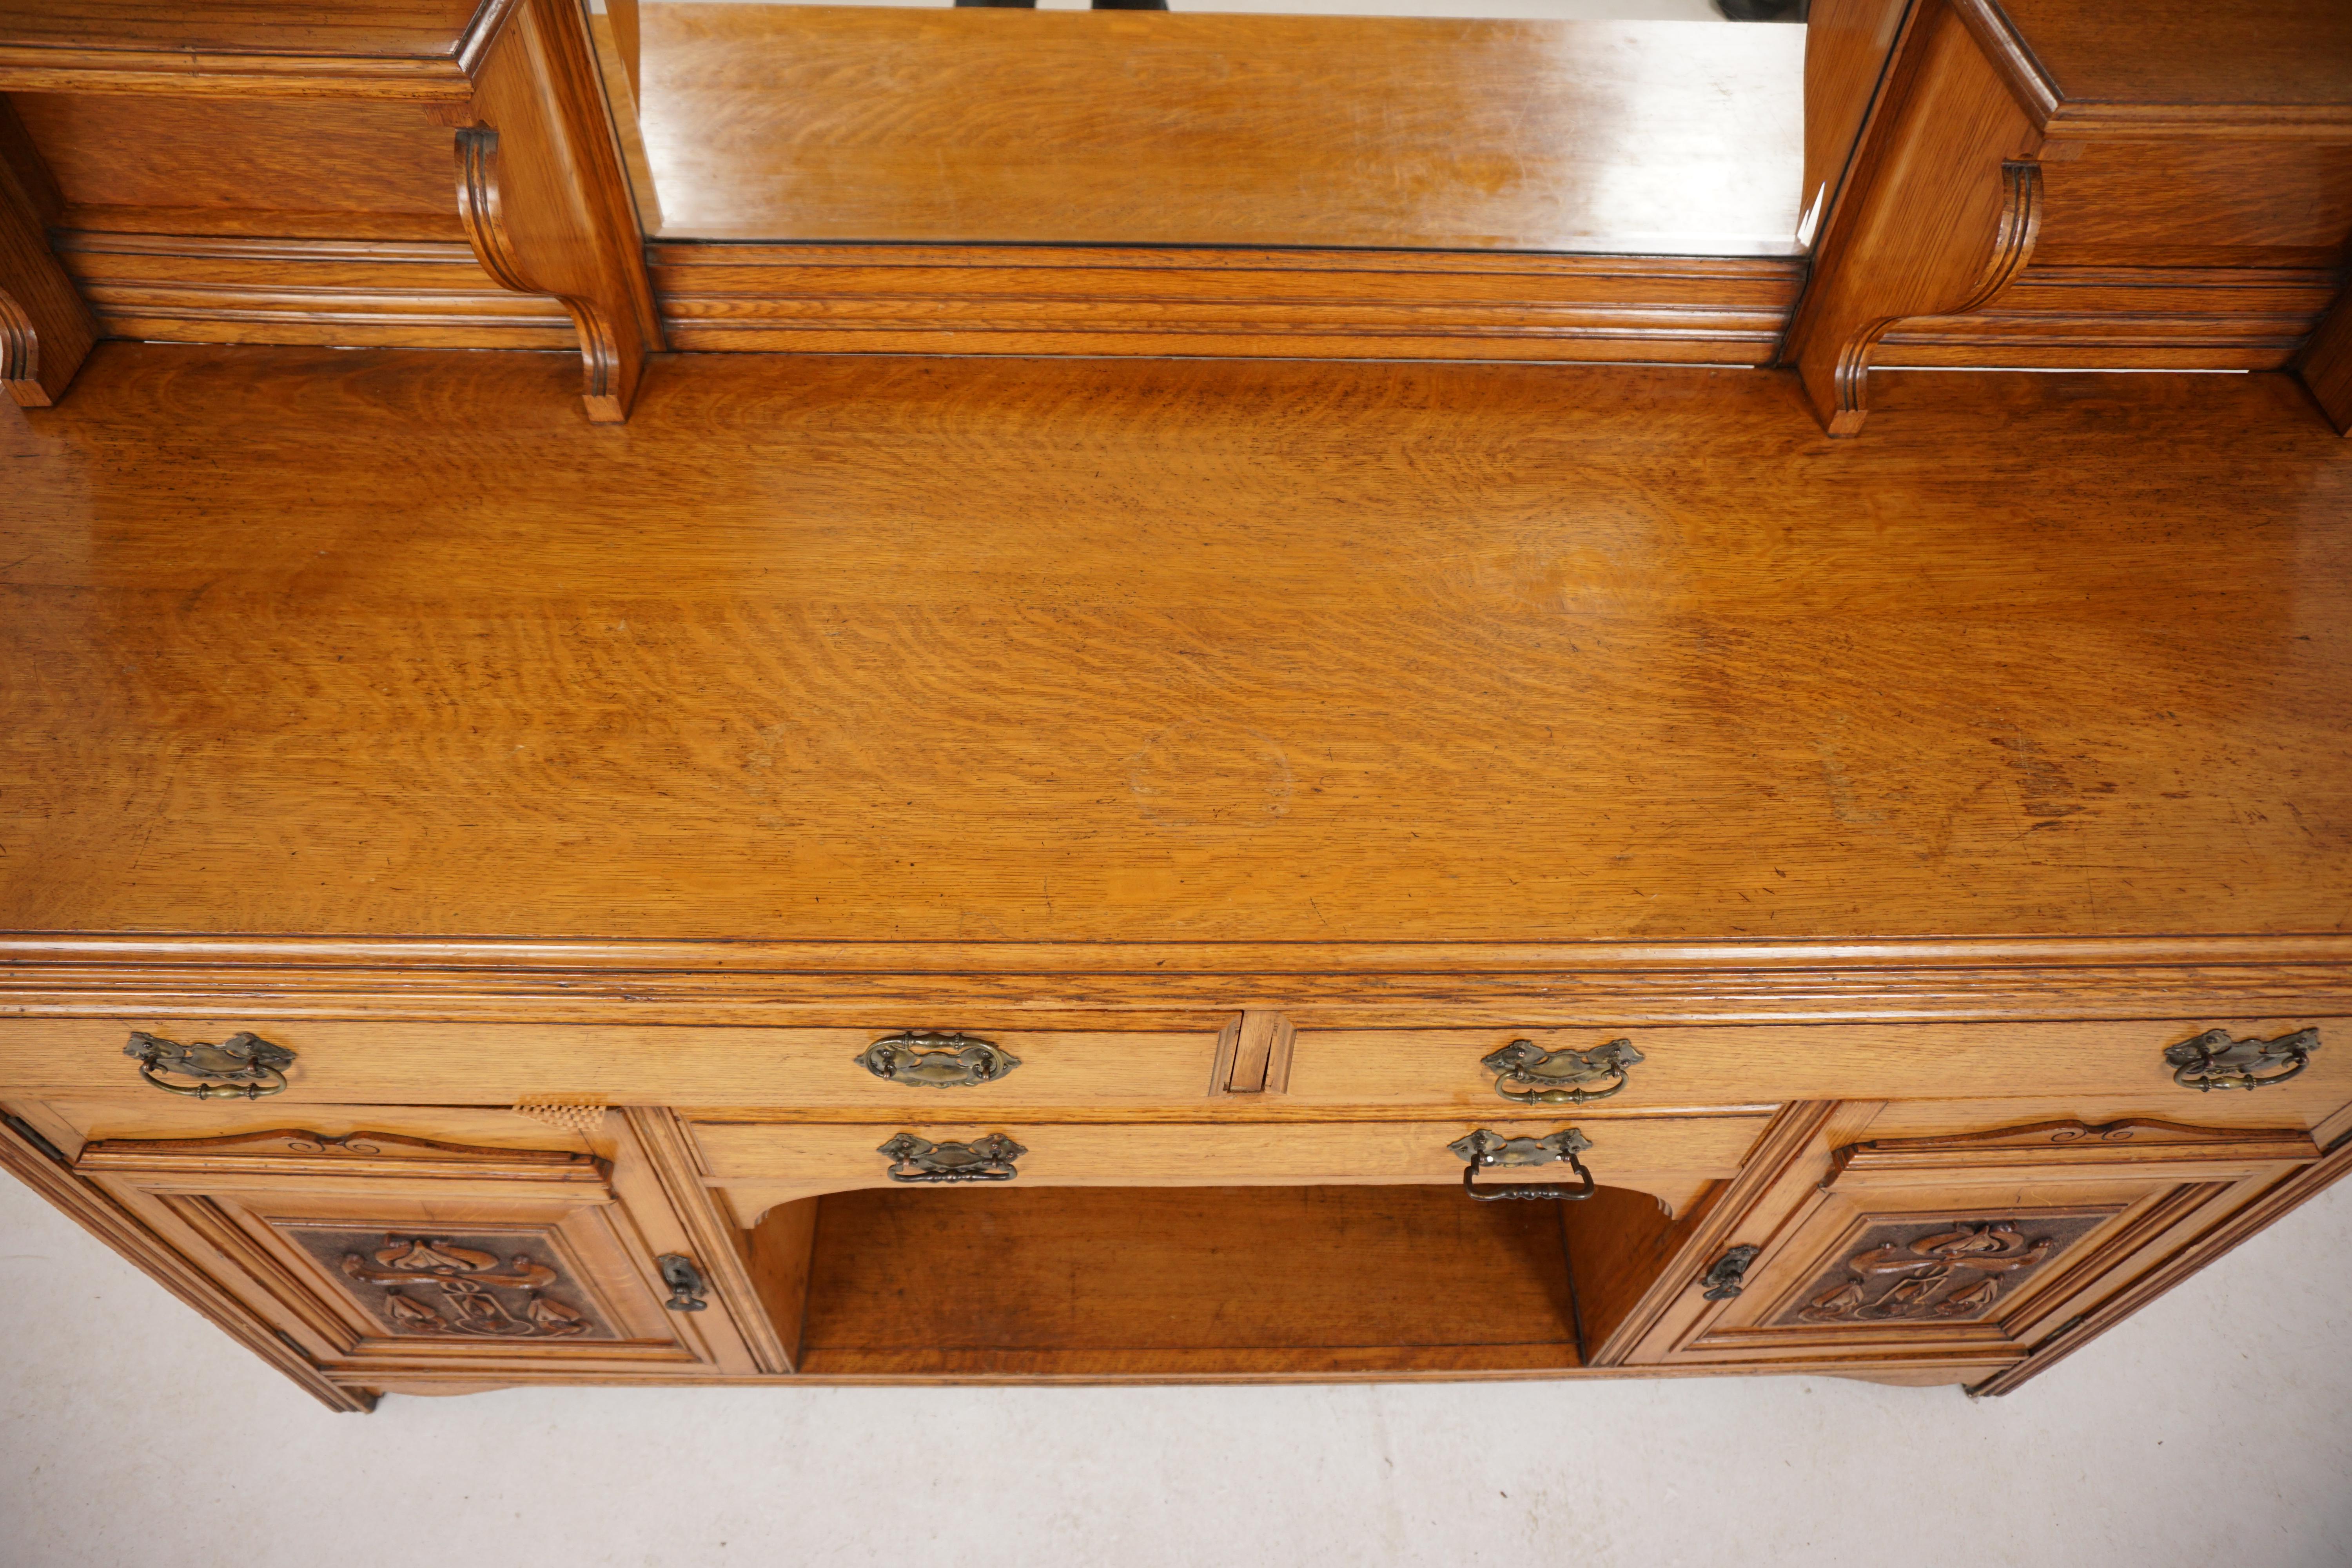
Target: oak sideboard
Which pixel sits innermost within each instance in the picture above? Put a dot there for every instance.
(528, 855)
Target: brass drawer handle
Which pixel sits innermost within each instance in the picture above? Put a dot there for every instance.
(988, 1159)
(1728, 1278)
(2215, 1060)
(1486, 1147)
(935, 1061)
(1558, 1078)
(685, 1281)
(242, 1067)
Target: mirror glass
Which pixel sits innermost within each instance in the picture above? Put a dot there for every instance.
(1613, 126)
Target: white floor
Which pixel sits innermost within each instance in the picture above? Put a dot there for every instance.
(2216, 1428)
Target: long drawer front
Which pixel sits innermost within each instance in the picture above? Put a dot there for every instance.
(1270, 1072)
(759, 1164)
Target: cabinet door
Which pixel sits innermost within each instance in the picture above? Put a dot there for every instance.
(1967, 1254)
(399, 1261)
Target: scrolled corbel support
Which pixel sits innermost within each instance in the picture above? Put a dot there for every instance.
(2013, 247)
(1939, 215)
(45, 328)
(545, 200)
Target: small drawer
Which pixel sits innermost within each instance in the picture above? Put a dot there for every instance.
(761, 1163)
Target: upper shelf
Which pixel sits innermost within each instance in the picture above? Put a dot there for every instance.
(415, 49)
(816, 123)
(2193, 54)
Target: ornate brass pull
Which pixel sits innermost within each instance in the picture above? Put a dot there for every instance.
(1485, 1147)
(242, 1067)
(1558, 1078)
(988, 1159)
(2215, 1060)
(1729, 1274)
(935, 1061)
(685, 1282)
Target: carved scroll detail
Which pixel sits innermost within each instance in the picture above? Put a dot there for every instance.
(20, 350)
(2013, 240)
(468, 1282)
(481, 208)
(2136, 1140)
(306, 1147)
(1957, 1273)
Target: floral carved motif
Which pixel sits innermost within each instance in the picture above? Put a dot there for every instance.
(1935, 1270)
(434, 1284)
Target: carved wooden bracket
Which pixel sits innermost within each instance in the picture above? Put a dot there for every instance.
(45, 329)
(2013, 248)
(1939, 215)
(545, 200)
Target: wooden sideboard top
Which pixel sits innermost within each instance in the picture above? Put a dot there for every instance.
(868, 650)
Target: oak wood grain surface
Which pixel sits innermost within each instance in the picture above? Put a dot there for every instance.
(2190, 52)
(1042, 650)
(1142, 1283)
(2326, 365)
(782, 1076)
(1287, 303)
(416, 50)
(1846, 51)
(891, 123)
(2217, 202)
(46, 327)
(224, 153)
(2209, 318)
(419, 28)
(200, 287)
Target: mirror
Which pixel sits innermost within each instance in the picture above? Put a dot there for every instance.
(1604, 126)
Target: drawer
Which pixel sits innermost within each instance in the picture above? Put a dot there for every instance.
(1336, 1073)
(1764, 1064)
(761, 1163)
(499, 1064)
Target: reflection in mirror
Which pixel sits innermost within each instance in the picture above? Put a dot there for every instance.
(1604, 126)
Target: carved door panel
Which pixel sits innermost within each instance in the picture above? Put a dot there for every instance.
(398, 1261)
(1975, 1250)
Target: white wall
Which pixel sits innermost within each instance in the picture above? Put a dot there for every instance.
(2213, 1429)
